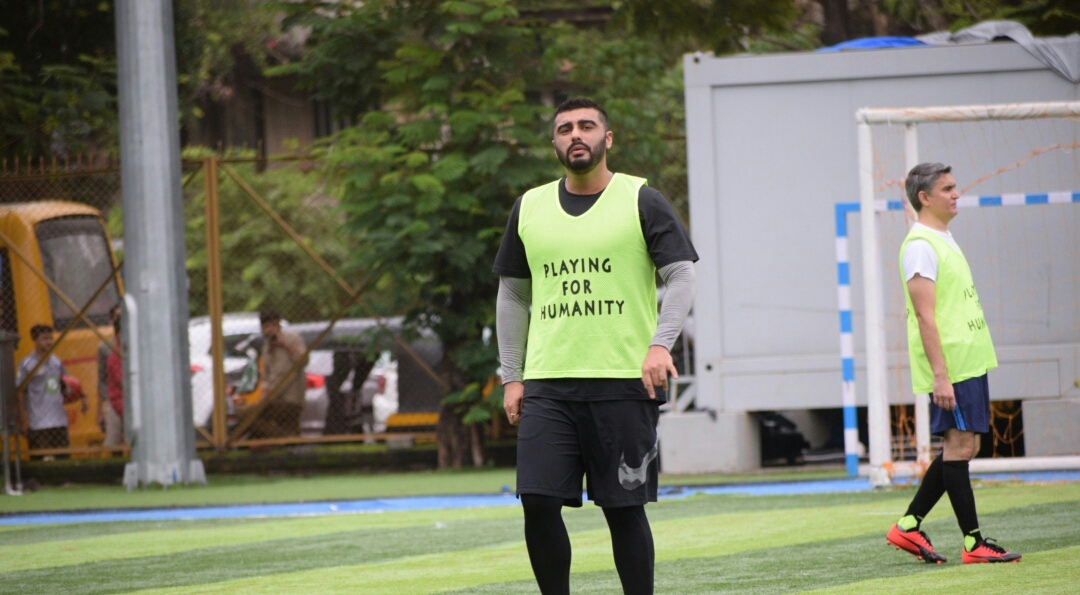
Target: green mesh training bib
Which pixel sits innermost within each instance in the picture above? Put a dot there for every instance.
(965, 338)
(593, 284)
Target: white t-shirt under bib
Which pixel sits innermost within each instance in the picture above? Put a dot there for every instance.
(920, 258)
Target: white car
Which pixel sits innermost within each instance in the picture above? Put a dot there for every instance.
(241, 330)
(379, 392)
(238, 331)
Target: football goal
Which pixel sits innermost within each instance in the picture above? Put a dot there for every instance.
(1018, 170)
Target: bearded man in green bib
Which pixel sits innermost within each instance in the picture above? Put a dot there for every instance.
(950, 351)
(585, 357)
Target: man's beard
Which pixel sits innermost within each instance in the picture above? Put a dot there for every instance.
(582, 164)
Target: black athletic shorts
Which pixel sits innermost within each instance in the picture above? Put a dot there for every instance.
(611, 443)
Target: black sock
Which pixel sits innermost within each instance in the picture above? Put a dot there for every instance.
(548, 543)
(931, 488)
(632, 546)
(958, 485)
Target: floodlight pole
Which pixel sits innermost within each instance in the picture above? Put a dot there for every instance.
(162, 435)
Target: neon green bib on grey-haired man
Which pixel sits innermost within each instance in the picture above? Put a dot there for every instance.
(965, 338)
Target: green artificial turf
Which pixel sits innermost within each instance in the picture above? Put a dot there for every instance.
(819, 543)
(253, 489)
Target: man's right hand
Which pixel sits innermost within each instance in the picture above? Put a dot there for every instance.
(944, 395)
(513, 395)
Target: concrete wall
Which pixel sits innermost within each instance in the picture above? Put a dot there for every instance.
(1050, 427)
(772, 147)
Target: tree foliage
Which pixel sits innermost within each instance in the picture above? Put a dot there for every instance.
(57, 78)
(340, 63)
(214, 37)
(58, 73)
(427, 181)
(720, 26)
(261, 265)
(1042, 17)
(58, 68)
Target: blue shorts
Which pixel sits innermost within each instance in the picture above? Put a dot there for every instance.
(972, 413)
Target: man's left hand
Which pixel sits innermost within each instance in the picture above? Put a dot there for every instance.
(654, 372)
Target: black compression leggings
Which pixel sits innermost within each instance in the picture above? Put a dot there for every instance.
(549, 545)
(632, 545)
(547, 542)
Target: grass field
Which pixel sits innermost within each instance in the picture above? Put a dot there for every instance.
(822, 543)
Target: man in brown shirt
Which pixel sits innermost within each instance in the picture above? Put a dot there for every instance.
(283, 380)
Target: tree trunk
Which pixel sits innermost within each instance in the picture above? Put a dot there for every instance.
(879, 22)
(459, 445)
(837, 27)
(477, 445)
(444, 438)
(455, 440)
(931, 11)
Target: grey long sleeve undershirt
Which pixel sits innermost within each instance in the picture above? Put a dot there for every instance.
(515, 298)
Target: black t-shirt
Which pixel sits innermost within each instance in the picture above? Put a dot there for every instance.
(667, 242)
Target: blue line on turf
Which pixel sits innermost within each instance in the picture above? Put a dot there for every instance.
(853, 484)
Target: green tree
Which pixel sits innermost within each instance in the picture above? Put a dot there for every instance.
(720, 26)
(261, 265)
(58, 67)
(1042, 17)
(340, 62)
(57, 78)
(216, 38)
(428, 180)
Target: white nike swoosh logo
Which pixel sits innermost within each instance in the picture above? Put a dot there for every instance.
(632, 478)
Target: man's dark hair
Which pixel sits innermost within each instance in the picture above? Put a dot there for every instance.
(269, 315)
(922, 178)
(581, 103)
(39, 329)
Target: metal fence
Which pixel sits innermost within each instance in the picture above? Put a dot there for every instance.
(323, 369)
(260, 237)
(59, 284)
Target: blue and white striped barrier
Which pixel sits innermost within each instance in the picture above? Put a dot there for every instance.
(843, 273)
